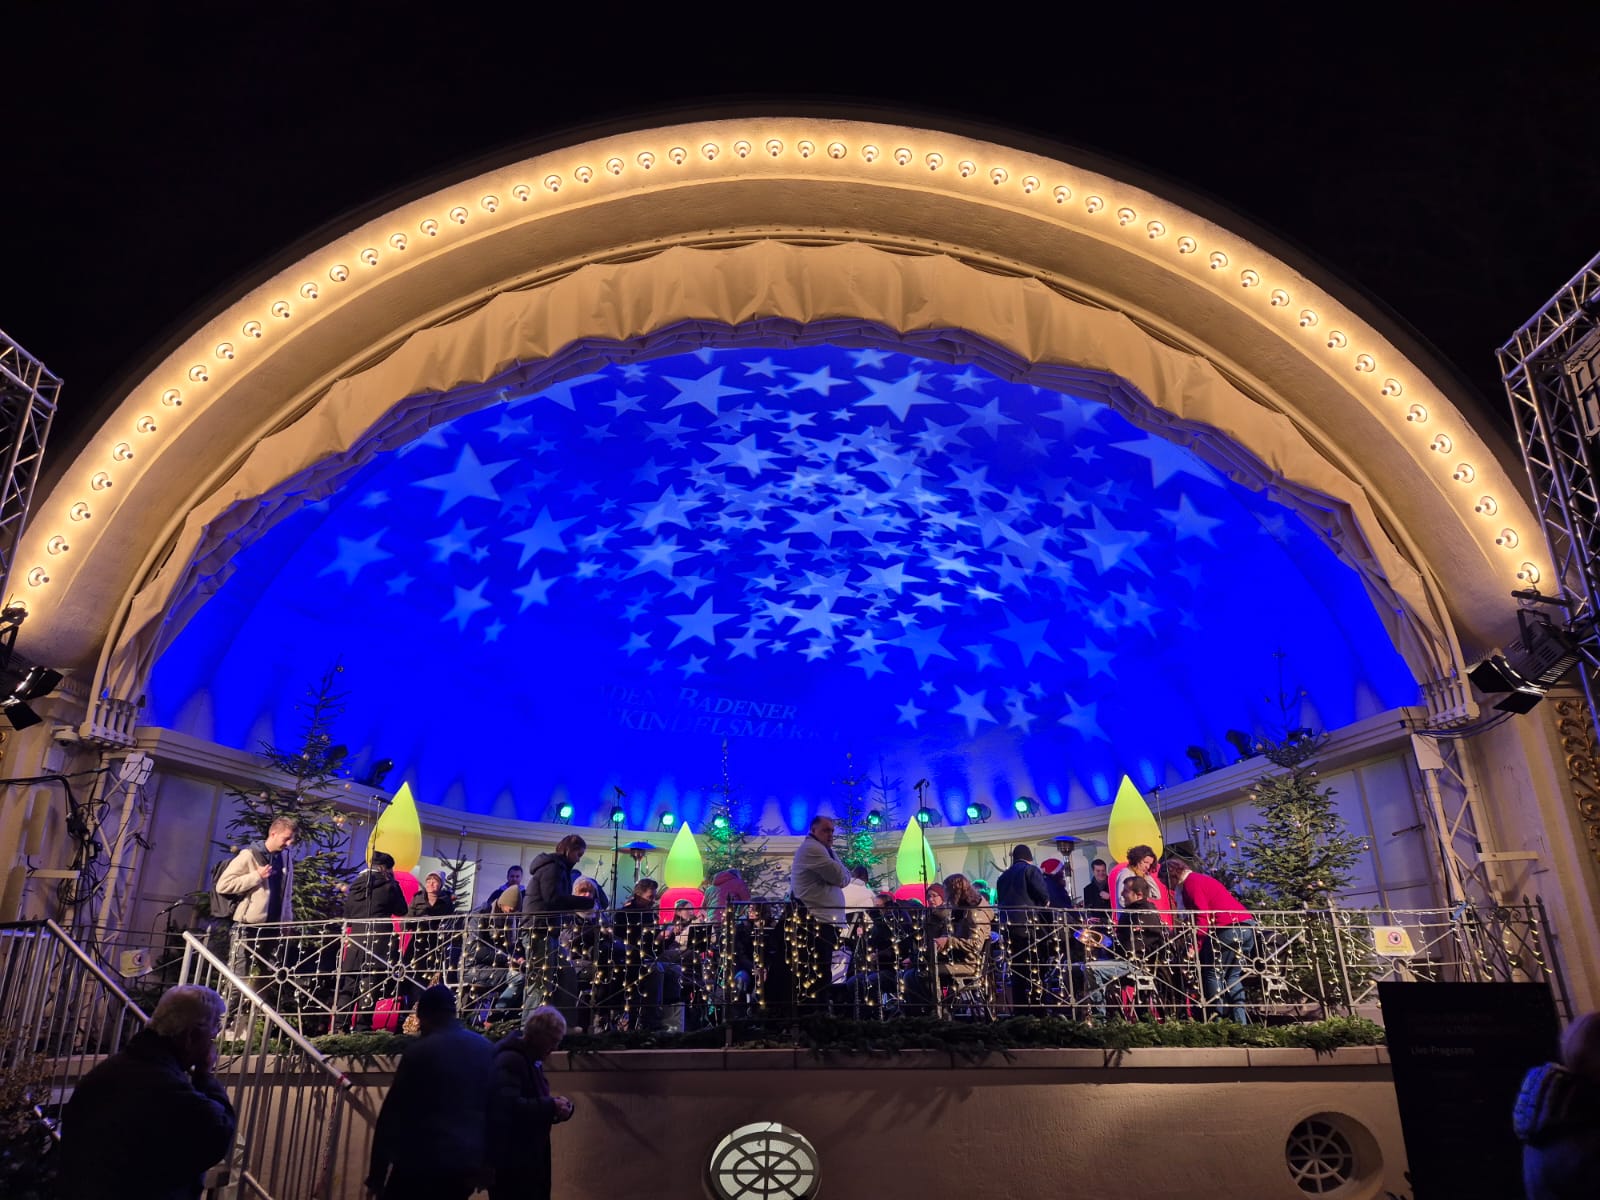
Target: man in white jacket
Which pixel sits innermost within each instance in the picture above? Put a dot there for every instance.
(261, 877)
(817, 877)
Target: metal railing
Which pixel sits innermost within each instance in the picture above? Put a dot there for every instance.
(61, 1013)
(301, 1122)
(623, 970)
(303, 1125)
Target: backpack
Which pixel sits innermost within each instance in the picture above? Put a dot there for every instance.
(223, 904)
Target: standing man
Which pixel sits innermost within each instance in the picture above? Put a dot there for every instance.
(547, 896)
(1097, 893)
(1019, 891)
(261, 878)
(817, 879)
(1226, 933)
(816, 876)
(431, 1139)
(370, 947)
(149, 1120)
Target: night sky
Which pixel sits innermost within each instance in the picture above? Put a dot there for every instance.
(155, 166)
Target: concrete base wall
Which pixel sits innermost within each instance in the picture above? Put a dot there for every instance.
(1157, 1124)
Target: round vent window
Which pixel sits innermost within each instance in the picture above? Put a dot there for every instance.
(764, 1161)
(1320, 1157)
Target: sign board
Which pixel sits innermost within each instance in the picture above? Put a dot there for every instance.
(1392, 940)
(1459, 1052)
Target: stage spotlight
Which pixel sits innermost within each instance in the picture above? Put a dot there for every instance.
(667, 821)
(1201, 760)
(564, 815)
(1532, 665)
(1240, 741)
(379, 772)
(874, 819)
(1026, 806)
(719, 822)
(977, 814)
(617, 816)
(39, 681)
(928, 817)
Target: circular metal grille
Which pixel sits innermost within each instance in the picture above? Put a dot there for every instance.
(1320, 1157)
(764, 1161)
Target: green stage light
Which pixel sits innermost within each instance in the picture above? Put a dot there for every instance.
(720, 822)
(617, 815)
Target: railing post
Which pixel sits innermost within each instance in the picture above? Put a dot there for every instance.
(1338, 949)
(1547, 946)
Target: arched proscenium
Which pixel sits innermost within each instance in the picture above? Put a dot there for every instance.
(776, 227)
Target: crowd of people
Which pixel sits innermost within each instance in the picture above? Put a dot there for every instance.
(551, 935)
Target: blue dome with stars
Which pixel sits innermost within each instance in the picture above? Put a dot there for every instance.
(842, 564)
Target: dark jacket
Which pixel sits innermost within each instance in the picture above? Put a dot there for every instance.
(549, 884)
(138, 1127)
(1097, 896)
(1021, 885)
(1056, 885)
(374, 894)
(1140, 931)
(435, 1116)
(1557, 1116)
(521, 1113)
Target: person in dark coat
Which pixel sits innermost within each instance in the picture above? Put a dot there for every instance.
(370, 946)
(522, 1110)
(430, 952)
(1097, 892)
(431, 1140)
(1020, 891)
(547, 896)
(146, 1123)
(1557, 1116)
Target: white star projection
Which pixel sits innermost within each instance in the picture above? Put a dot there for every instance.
(805, 552)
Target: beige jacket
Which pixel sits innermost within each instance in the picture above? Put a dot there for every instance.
(242, 877)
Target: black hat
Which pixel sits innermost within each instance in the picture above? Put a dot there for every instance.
(383, 860)
(1021, 854)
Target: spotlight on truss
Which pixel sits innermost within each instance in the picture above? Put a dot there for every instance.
(1531, 666)
(928, 817)
(977, 814)
(39, 681)
(564, 814)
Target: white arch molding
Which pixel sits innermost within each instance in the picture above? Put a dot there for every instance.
(778, 230)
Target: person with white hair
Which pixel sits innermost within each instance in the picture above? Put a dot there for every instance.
(149, 1120)
(522, 1110)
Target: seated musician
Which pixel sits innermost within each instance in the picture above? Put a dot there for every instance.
(653, 981)
(964, 951)
(493, 959)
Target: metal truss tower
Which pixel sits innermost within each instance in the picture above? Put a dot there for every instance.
(28, 395)
(1551, 370)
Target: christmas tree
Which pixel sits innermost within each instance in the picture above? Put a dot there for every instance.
(855, 838)
(732, 841)
(310, 780)
(1300, 853)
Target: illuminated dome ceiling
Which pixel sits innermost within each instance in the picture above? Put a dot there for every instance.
(807, 553)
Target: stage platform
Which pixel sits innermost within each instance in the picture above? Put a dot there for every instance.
(1156, 1123)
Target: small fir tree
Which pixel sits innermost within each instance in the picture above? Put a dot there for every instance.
(733, 842)
(855, 838)
(311, 775)
(1301, 852)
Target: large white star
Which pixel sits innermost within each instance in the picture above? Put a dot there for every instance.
(561, 392)
(923, 642)
(468, 601)
(702, 624)
(822, 382)
(705, 391)
(1168, 459)
(1029, 638)
(543, 534)
(458, 541)
(898, 396)
(470, 479)
(1188, 522)
(1106, 546)
(743, 454)
(354, 555)
(970, 706)
(1083, 718)
(535, 591)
